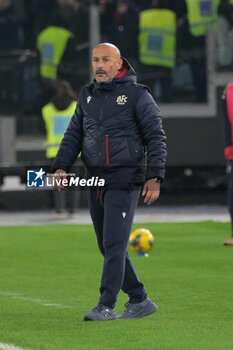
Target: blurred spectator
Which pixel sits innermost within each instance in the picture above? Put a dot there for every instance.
(11, 35)
(191, 48)
(38, 15)
(11, 38)
(139, 4)
(57, 114)
(64, 47)
(19, 6)
(73, 16)
(106, 10)
(162, 4)
(121, 28)
(182, 30)
(225, 33)
(157, 43)
(227, 119)
(30, 23)
(142, 5)
(52, 42)
(201, 15)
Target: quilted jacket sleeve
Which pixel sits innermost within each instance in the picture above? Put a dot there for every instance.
(71, 143)
(226, 126)
(225, 122)
(150, 123)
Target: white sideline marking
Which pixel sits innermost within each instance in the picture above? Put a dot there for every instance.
(32, 300)
(4, 346)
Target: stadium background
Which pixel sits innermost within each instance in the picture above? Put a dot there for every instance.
(49, 265)
(191, 111)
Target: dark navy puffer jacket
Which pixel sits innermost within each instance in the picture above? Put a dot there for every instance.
(117, 126)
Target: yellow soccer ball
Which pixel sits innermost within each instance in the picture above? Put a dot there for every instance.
(141, 240)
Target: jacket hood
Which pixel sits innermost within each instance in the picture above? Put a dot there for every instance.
(126, 73)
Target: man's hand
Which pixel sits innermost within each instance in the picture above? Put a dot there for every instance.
(60, 175)
(152, 190)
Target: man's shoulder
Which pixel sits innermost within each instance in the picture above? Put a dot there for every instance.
(142, 93)
(87, 87)
(136, 89)
(144, 96)
(85, 91)
(131, 90)
(140, 88)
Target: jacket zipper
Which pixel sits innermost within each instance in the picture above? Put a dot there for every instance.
(107, 150)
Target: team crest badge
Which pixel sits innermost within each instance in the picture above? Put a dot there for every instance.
(121, 100)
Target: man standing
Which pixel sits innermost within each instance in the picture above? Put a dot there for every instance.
(117, 127)
(227, 111)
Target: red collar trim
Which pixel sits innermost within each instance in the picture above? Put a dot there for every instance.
(123, 70)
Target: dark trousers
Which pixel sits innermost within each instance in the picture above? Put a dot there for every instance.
(112, 214)
(230, 192)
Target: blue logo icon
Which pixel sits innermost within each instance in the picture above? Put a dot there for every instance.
(206, 8)
(155, 43)
(35, 178)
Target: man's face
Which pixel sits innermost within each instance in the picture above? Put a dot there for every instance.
(106, 63)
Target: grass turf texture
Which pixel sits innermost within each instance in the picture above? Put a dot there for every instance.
(188, 274)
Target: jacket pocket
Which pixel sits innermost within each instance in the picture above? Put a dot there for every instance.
(136, 150)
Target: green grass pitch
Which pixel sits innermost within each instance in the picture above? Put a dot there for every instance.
(188, 274)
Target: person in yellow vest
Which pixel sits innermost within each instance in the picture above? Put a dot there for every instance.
(157, 44)
(57, 115)
(63, 46)
(191, 49)
(227, 122)
(51, 43)
(201, 15)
